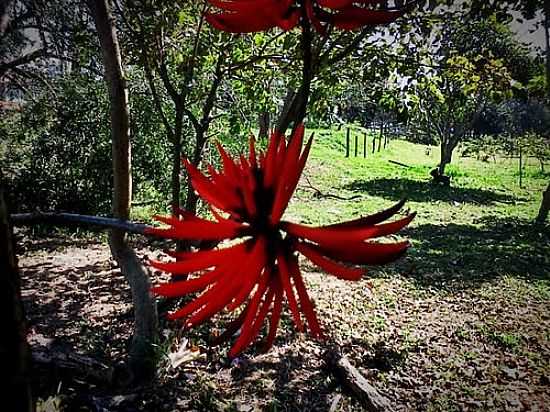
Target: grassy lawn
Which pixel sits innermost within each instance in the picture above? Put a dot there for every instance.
(461, 323)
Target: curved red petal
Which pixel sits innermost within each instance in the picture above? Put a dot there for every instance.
(284, 277)
(371, 219)
(275, 317)
(364, 253)
(240, 22)
(325, 235)
(305, 302)
(254, 320)
(176, 289)
(338, 270)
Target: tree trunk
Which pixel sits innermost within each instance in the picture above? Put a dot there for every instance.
(446, 156)
(544, 206)
(142, 356)
(4, 15)
(296, 112)
(176, 162)
(14, 349)
(263, 125)
(192, 198)
(547, 45)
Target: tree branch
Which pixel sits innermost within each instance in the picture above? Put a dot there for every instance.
(26, 58)
(53, 218)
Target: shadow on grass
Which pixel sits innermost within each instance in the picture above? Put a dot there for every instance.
(457, 255)
(419, 191)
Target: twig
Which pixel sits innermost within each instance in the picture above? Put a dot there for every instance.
(318, 193)
(399, 163)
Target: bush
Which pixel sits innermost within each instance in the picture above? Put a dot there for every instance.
(56, 156)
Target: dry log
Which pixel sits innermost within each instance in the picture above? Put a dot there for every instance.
(355, 382)
(73, 364)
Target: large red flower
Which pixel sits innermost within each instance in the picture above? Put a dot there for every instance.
(246, 16)
(248, 198)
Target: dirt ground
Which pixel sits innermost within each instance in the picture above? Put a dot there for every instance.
(425, 346)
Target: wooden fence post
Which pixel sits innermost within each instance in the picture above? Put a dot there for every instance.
(365, 144)
(356, 144)
(347, 142)
(520, 165)
(380, 137)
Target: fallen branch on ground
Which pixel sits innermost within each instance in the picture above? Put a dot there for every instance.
(73, 364)
(352, 380)
(399, 164)
(320, 194)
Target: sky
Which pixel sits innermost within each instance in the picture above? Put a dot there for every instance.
(523, 34)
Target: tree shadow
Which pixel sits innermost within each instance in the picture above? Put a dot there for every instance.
(71, 308)
(424, 191)
(457, 255)
(287, 372)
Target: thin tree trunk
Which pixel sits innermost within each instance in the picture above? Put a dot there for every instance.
(176, 162)
(447, 148)
(263, 125)
(201, 129)
(296, 112)
(545, 203)
(192, 198)
(544, 206)
(4, 15)
(142, 359)
(14, 349)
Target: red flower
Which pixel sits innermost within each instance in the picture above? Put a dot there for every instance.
(248, 199)
(247, 16)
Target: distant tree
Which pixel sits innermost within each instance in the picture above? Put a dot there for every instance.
(528, 10)
(450, 102)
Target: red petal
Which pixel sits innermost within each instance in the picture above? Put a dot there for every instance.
(355, 17)
(275, 317)
(329, 236)
(240, 22)
(194, 261)
(175, 289)
(223, 287)
(271, 158)
(230, 329)
(229, 166)
(254, 319)
(253, 268)
(371, 219)
(284, 277)
(364, 253)
(288, 23)
(308, 4)
(218, 196)
(214, 305)
(288, 184)
(338, 270)
(305, 302)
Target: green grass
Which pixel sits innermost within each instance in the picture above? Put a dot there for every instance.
(480, 227)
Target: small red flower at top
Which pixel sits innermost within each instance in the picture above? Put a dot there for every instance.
(248, 16)
(248, 198)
